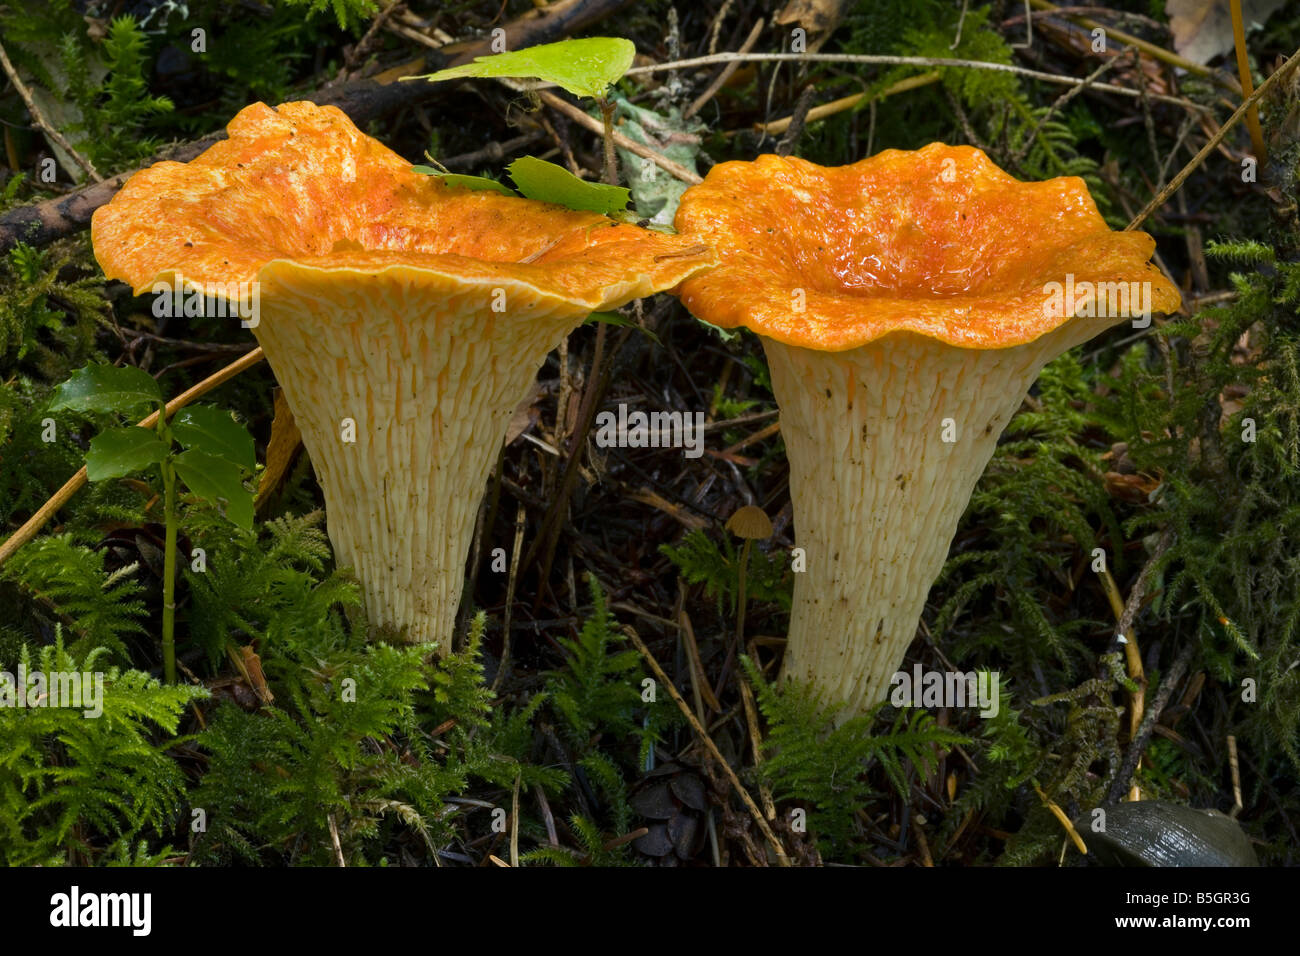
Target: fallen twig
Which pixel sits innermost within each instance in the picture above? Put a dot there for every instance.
(703, 734)
(39, 119)
(887, 60)
(1159, 199)
(725, 74)
(77, 481)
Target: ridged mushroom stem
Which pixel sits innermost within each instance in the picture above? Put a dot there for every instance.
(430, 375)
(877, 492)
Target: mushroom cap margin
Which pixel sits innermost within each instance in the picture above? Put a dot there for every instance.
(938, 241)
(301, 182)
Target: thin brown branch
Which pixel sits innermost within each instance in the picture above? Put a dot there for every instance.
(78, 481)
(1159, 199)
(705, 739)
(720, 80)
(886, 60)
(39, 119)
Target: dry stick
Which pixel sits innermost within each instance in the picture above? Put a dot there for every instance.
(1278, 75)
(619, 841)
(363, 46)
(510, 596)
(39, 119)
(1060, 103)
(1029, 29)
(676, 170)
(1236, 777)
(885, 60)
(548, 536)
(405, 31)
(971, 136)
(680, 611)
(75, 483)
(797, 121)
(1133, 659)
(609, 168)
(760, 435)
(547, 816)
(1167, 683)
(1128, 39)
(698, 679)
(1062, 819)
(756, 744)
(514, 823)
(1139, 590)
(334, 836)
(1147, 119)
(1131, 653)
(493, 152)
(716, 28)
(1184, 128)
(1125, 612)
(720, 80)
(777, 127)
(961, 20)
(1247, 82)
(685, 708)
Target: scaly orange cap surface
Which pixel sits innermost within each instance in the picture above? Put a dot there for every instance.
(939, 242)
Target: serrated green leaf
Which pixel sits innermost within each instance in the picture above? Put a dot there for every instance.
(218, 481)
(476, 183)
(115, 452)
(538, 179)
(212, 430)
(583, 67)
(104, 388)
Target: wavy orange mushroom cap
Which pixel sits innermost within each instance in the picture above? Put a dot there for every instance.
(906, 303)
(404, 318)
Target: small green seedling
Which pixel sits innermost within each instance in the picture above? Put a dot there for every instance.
(217, 452)
(586, 67)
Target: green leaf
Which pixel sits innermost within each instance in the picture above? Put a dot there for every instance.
(115, 452)
(476, 183)
(583, 67)
(103, 388)
(622, 321)
(212, 430)
(479, 184)
(538, 179)
(218, 481)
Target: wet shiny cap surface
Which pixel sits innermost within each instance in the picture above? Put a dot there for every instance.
(939, 242)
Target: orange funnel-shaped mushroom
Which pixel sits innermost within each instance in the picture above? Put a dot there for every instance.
(906, 303)
(404, 318)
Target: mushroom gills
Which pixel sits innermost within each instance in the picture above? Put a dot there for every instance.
(1159, 833)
